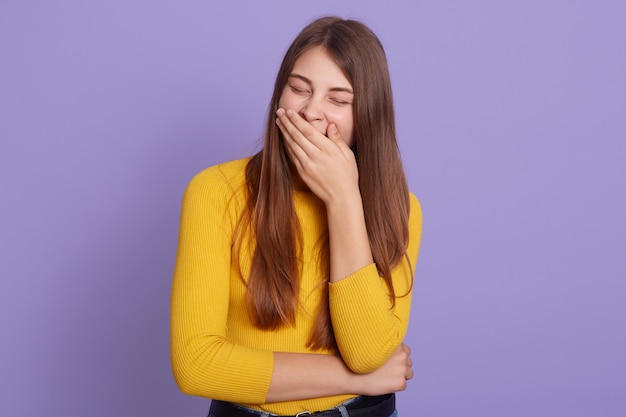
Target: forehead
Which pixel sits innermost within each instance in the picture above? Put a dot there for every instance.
(317, 65)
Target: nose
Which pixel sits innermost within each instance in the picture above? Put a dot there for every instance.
(311, 110)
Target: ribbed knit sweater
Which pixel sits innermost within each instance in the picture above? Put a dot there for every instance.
(216, 350)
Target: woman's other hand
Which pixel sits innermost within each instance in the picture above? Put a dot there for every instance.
(391, 377)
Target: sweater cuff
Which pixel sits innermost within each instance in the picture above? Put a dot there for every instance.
(364, 283)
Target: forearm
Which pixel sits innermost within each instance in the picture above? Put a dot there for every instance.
(349, 244)
(300, 376)
(366, 329)
(368, 324)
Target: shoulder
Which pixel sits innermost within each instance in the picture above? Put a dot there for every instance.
(220, 182)
(415, 214)
(415, 228)
(231, 172)
(229, 175)
(414, 206)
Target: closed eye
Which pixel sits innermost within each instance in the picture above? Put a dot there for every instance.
(340, 102)
(298, 90)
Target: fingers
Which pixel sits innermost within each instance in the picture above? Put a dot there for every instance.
(393, 375)
(326, 164)
(333, 133)
(294, 137)
(406, 350)
(303, 133)
(296, 153)
(286, 127)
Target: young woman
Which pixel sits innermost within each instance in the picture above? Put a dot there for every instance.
(292, 285)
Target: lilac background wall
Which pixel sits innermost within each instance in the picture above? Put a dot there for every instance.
(512, 122)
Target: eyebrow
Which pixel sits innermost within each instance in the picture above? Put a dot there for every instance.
(309, 82)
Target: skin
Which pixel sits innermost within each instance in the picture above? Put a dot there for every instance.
(319, 91)
(316, 120)
(324, 375)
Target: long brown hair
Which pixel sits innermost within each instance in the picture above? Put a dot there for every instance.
(273, 284)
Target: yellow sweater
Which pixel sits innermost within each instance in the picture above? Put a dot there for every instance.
(216, 350)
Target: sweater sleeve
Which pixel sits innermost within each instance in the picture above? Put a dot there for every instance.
(204, 362)
(368, 327)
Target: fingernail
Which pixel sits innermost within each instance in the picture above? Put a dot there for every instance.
(289, 112)
(280, 112)
(333, 129)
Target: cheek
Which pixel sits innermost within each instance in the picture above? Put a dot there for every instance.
(284, 98)
(288, 100)
(281, 101)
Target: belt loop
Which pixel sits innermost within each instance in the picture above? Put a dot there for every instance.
(343, 410)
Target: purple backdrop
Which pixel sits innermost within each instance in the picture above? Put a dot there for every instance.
(512, 122)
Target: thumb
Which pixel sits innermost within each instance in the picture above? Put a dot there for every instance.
(333, 133)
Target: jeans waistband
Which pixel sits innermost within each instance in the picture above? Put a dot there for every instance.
(364, 406)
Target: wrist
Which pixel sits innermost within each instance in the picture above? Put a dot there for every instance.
(346, 202)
